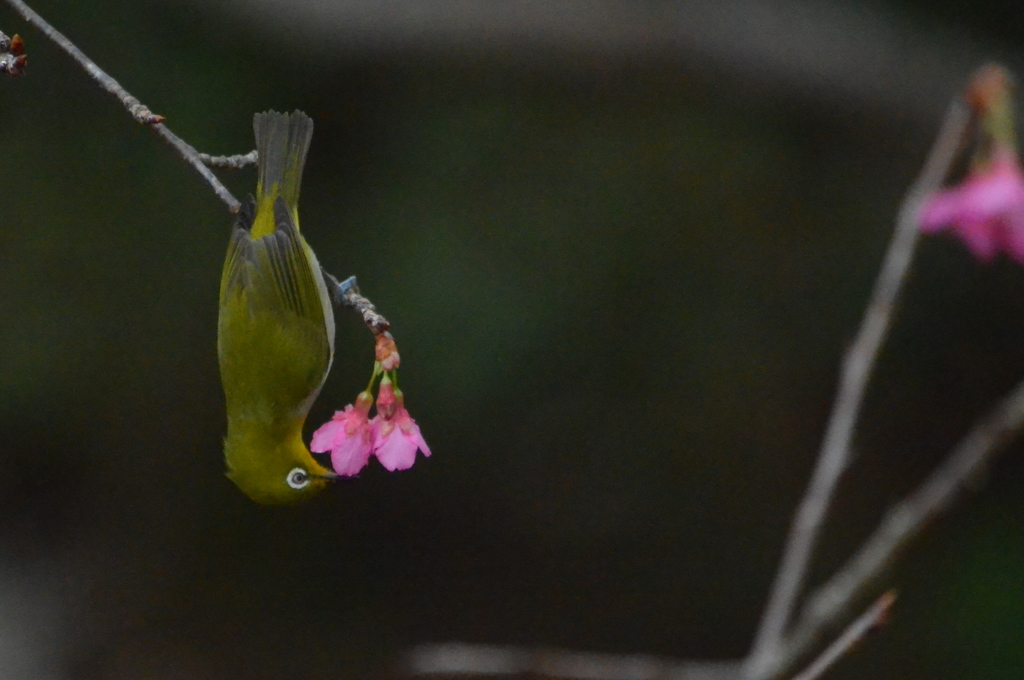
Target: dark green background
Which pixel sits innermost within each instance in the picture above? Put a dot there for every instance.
(621, 294)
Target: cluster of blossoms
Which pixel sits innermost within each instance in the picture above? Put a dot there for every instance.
(351, 436)
(986, 210)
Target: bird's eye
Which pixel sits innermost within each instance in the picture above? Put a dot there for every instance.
(298, 478)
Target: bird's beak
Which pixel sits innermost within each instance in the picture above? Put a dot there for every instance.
(330, 477)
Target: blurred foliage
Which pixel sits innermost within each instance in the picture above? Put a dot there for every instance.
(621, 294)
(993, 21)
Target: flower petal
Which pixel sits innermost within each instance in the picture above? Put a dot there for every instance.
(980, 237)
(411, 430)
(351, 455)
(990, 195)
(396, 451)
(940, 211)
(323, 438)
(986, 210)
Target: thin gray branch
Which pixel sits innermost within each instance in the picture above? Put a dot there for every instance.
(857, 366)
(829, 605)
(236, 162)
(346, 293)
(777, 656)
(191, 156)
(137, 109)
(457, 658)
(188, 153)
(875, 617)
(961, 472)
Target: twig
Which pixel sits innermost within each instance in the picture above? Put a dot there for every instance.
(905, 522)
(456, 658)
(771, 654)
(774, 656)
(236, 162)
(347, 293)
(873, 618)
(856, 370)
(191, 156)
(137, 109)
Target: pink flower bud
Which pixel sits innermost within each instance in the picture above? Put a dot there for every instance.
(386, 352)
(386, 399)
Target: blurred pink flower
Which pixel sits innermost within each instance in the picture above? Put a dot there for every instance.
(986, 211)
(396, 436)
(348, 436)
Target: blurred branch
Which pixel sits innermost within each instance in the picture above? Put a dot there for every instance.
(774, 652)
(873, 618)
(963, 470)
(856, 372)
(456, 658)
(137, 109)
(827, 607)
(857, 57)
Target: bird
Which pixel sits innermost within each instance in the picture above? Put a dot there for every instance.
(275, 330)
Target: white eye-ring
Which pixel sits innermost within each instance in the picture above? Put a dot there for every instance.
(297, 478)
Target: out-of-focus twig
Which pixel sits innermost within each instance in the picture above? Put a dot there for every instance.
(857, 366)
(865, 59)
(905, 522)
(456, 658)
(775, 653)
(137, 109)
(876, 616)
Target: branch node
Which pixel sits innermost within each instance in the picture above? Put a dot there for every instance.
(235, 162)
(871, 620)
(346, 293)
(140, 112)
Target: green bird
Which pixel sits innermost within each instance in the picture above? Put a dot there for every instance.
(275, 335)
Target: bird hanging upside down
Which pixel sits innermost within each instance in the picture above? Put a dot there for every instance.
(275, 338)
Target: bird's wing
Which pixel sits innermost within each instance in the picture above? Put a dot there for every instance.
(276, 327)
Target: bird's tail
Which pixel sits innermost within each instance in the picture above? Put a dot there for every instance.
(282, 140)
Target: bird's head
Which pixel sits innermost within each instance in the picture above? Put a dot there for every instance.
(275, 472)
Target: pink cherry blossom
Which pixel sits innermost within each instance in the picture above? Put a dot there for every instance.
(986, 211)
(396, 436)
(348, 436)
